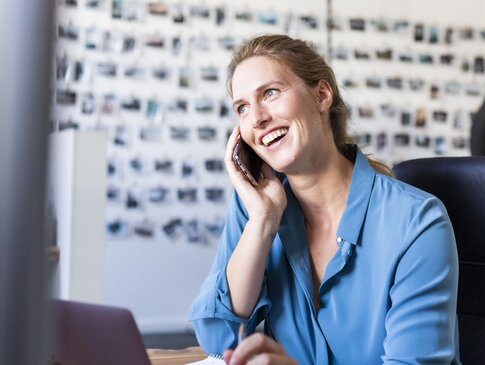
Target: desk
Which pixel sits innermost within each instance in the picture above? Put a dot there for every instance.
(175, 357)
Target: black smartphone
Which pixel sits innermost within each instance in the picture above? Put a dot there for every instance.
(248, 162)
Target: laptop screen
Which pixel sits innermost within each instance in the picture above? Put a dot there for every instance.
(95, 335)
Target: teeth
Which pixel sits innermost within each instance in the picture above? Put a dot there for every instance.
(273, 135)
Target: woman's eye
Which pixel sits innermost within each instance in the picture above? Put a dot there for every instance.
(242, 109)
(271, 92)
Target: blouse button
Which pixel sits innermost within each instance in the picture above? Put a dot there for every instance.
(349, 252)
(339, 239)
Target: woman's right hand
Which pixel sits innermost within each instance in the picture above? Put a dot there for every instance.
(265, 201)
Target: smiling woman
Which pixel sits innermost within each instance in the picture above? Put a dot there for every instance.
(328, 249)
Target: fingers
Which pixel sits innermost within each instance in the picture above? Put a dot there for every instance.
(256, 346)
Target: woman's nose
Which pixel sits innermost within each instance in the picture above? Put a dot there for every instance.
(259, 116)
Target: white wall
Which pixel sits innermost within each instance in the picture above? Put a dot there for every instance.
(157, 278)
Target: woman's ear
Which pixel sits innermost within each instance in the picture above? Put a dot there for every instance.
(324, 96)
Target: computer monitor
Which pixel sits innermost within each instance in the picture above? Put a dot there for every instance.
(25, 34)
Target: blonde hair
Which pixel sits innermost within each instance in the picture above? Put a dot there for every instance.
(305, 62)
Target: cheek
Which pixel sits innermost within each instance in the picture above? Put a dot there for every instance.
(246, 132)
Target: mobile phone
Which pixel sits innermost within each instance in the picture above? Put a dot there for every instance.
(248, 162)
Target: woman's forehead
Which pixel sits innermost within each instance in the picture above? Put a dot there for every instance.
(256, 71)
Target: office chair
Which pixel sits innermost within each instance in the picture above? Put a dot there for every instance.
(459, 182)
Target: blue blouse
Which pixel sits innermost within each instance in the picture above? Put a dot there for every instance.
(388, 295)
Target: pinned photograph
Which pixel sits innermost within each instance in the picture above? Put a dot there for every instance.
(134, 199)
(154, 111)
(401, 26)
(195, 231)
(187, 195)
(144, 228)
(117, 228)
(268, 17)
(309, 21)
(185, 77)
(109, 104)
(440, 116)
(161, 73)
(418, 32)
(388, 110)
(155, 41)
(113, 194)
(96, 4)
(416, 84)
(209, 73)
(384, 54)
(177, 12)
(401, 139)
(134, 72)
(188, 169)
(357, 24)
(158, 195)
(440, 145)
(131, 103)
(65, 97)
(129, 43)
(214, 227)
(207, 133)
(433, 35)
(199, 12)
(422, 141)
(215, 194)
(63, 125)
(220, 15)
(88, 104)
(434, 91)
(179, 134)
(112, 42)
(381, 141)
(150, 134)
(204, 105)
(373, 82)
(447, 59)
(63, 68)
(158, 8)
(406, 56)
(361, 54)
(93, 38)
(178, 105)
(174, 228)
(420, 118)
(227, 43)
(122, 136)
(69, 32)
(214, 165)
(107, 69)
(164, 166)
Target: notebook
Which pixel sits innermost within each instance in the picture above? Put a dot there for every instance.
(95, 335)
(210, 360)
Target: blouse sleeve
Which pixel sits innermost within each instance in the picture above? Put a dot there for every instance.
(421, 322)
(216, 326)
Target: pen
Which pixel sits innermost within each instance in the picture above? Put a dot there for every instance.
(242, 333)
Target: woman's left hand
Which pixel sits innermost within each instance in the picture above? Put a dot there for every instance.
(258, 349)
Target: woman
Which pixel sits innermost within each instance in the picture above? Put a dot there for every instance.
(344, 264)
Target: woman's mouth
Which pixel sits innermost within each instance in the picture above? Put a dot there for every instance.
(274, 136)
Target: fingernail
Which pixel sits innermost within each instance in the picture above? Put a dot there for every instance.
(233, 361)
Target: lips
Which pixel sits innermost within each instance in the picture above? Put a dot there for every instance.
(274, 136)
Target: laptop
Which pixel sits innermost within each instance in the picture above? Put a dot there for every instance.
(91, 334)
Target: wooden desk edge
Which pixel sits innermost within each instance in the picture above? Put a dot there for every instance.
(175, 357)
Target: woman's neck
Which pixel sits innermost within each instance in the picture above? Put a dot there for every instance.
(322, 193)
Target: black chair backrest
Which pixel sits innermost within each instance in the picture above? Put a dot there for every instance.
(459, 182)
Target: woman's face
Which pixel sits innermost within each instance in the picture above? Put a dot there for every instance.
(280, 117)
